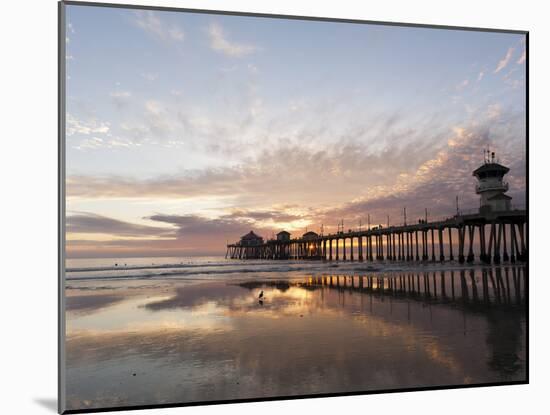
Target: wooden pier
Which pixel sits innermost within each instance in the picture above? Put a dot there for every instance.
(492, 237)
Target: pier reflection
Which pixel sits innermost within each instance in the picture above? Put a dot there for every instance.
(496, 295)
(470, 288)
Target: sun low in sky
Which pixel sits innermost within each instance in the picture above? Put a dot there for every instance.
(185, 131)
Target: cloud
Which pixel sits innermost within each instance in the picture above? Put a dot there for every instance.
(462, 85)
(512, 81)
(70, 29)
(121, 94)
(120, 98)
(220, 43)
(91, 126)
(152, 24)
(192, 234)
(435, 182)
(311, 165)
(150, 76)
(94, 143)
(244, 119)
(90, 143)
(494, 111)
(158, 122)
(292, 188)
(263, 215)
(274, 177)
(189, 235)
(93, 134)
(197, 226)
(188, 124)
(522, 57)
(480, 76)
(153, 107)
(199, 235)
(91, 223)
(252, 68)
(504, 61)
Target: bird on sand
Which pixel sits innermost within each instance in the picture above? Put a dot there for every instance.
(261, 295)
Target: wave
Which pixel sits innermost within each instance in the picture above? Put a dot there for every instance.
(153, 266)
(192, 271)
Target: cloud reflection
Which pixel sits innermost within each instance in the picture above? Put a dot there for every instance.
(308, 337)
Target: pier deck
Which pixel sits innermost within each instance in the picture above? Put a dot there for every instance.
(501, 236)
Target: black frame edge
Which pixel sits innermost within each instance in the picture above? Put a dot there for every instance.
(61, 62)
(527, 224)
(292, 397)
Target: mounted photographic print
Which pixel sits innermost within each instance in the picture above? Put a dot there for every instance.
(258, 207)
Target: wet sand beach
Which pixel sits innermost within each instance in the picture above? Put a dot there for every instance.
(162, 340)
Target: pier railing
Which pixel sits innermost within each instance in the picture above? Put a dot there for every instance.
(489, 236)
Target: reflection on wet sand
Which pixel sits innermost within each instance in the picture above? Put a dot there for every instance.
(316, 334)
(90, 303)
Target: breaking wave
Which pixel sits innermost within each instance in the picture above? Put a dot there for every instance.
(221, 268)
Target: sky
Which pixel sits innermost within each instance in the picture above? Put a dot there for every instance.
(185, 131)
